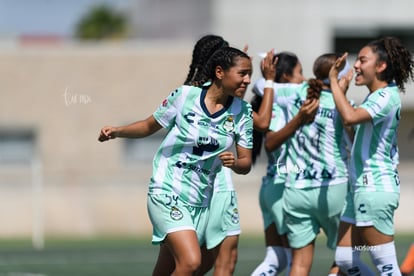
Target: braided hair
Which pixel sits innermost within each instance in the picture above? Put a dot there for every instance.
(399, 60)
(225, 57)
(203, 50)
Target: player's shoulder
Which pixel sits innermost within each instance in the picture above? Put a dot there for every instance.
(239, 106)
(184, 92)
(189, 89)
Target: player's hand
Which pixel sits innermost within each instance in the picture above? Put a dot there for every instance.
(268, 66)
(228, 159)
(246, 48)
(308, 110)
(336, 67)
(107, 133)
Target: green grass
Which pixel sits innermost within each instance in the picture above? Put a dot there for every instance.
(135, 256)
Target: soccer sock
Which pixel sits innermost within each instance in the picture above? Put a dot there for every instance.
(385, 259)
(349, 262)
(288, 254)
(273, 263)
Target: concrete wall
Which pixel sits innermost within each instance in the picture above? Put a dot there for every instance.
(66, 95)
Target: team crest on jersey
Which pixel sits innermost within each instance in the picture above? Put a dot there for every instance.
(175, 213)
(228, 125)
(235, 218)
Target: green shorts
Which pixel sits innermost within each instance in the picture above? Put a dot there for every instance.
(169, 216)
(310, 209)
(376, 209)
(224, 219)
(348, 214)
(270, 200)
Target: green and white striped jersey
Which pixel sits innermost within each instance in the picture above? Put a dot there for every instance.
(187, 161)
(374, 155)
(277, 158)
(317, 153)
(224, 180)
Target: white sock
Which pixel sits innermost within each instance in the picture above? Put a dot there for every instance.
(273, 263)
(288, 254)
(348, 260)
(385, 259)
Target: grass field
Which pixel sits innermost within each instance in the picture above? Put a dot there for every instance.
(122, 257)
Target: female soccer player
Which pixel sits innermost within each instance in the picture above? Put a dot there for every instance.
(278, 256)
(203, 124)
(223, 227)
(315, 167)
(383, 66)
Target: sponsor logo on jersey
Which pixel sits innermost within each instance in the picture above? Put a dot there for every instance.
(235, 217)
(228, 124)
(361, 208)
(207, 144)
(175, 213)
(192, 167)
(188, 117)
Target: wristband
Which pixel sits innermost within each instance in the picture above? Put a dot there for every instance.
(268, 84)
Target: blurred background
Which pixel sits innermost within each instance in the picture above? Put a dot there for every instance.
(67, 68)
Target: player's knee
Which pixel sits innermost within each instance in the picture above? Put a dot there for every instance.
(190, 264)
